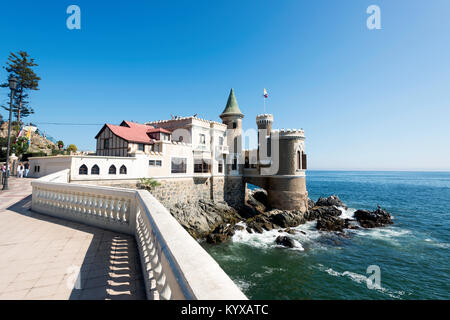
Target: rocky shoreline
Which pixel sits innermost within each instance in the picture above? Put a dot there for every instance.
(217, 222)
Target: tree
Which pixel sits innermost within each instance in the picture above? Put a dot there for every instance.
(72, 148)
(20, 147)
(60, 144)
(20, 65)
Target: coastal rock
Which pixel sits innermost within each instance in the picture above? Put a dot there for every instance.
(311, 204)
(260, 195)
(285, 241)
(221, 234)
(320, 212)
(286, 218)
(372, 219)
(290, 231)
(202, 217)
(331, 223)
(332, 200)
(256, 203)
(275, 219)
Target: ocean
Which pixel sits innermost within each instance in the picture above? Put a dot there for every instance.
(412, 255)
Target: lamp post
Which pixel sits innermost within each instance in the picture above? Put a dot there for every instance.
(12, 85)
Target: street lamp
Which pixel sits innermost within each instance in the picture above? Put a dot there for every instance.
(12, 86)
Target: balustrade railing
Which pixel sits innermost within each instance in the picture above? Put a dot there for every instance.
(174, 265)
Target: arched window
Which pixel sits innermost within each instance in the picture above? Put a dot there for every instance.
(247, 162)
(123, 169)
(112, 169)
(299, 160)
(95, 169)
(83, 169)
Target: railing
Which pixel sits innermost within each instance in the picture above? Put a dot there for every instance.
(174, 265)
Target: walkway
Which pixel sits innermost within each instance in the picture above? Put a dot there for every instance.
(42, 257)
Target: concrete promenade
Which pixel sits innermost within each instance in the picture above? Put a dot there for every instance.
(42, 257)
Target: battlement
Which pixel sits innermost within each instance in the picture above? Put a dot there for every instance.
(264, 117)
(290, 133)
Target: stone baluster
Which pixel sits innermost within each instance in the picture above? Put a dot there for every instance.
(85, 204)
(106, 207)
(123, 212)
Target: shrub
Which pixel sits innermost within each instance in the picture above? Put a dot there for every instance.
(148, 183)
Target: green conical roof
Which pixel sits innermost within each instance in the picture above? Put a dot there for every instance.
(232, 105)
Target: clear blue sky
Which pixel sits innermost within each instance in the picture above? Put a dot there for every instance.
(367, 99)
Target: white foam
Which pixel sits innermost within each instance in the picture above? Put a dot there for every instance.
(391, 234)
(362, 279)
(243, 285)
(347, 213)
(266, 239)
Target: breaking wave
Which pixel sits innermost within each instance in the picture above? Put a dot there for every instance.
(362, 279)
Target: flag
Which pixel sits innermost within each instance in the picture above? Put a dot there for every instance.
(29, 135)
(266, 95)
(19, 135)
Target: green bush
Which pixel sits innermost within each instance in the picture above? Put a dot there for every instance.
(148, 183)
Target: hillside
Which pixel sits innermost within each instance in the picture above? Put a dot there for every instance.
(38, 143)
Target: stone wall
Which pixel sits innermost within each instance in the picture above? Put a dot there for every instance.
(218, 189)
(184, 190)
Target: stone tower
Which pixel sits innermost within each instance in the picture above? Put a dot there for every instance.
(281, 165)
(232, 117)
(287, 188)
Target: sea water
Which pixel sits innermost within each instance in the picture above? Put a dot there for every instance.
(412, 254)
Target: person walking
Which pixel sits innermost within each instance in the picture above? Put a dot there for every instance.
(20, 171)
(27, 169)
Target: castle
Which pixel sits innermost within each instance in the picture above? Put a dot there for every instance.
(194, 159)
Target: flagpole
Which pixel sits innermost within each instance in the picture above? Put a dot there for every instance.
(264, 104)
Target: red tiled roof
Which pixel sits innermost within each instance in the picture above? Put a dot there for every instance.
(133, 132)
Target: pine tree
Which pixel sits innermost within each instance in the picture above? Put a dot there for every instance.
(20, 66)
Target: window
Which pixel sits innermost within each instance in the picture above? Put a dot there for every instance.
(247, 163)
(304, 166)
(140, 146)
(37, 168)
(220, 167)
(82, 170)
(299, 161)
(106, 144)
(201, 166)
(220, 141)
(95, 169)
(234, 165)
(234, 125)
(157, 163)
(178, 165)
(123, 169)
(112, 169)
(202, 138)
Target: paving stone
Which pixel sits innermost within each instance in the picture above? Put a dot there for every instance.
(42, 256)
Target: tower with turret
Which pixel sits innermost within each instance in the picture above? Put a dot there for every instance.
(281, 158)
(232, 117)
